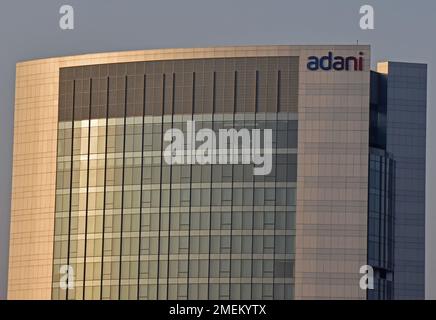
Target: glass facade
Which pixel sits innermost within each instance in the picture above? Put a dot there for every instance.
(396, 224)
(132, 226)
(381, 223)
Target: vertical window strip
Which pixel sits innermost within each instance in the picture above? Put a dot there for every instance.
(142, 178)
(104, 188)
(211, 182)
(170, 183)
(160, 187)
(87, 188)
(256, 108)
(71, 181)
(122, 188)
(190, 191)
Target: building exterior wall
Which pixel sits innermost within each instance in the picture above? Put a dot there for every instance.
(132, 226)
(332, 183)
(331, 179)
(34, 171)
(381, 223)
(406, 100)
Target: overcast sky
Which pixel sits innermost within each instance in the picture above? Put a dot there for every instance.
(404, 31)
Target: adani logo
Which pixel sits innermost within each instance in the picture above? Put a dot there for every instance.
(338, 63)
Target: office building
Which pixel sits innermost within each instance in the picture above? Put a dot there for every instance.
(93, 195)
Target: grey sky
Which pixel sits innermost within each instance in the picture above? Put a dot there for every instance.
(29, 29)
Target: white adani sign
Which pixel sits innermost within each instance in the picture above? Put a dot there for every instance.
(230, 147)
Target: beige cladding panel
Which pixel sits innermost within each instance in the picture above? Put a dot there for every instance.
(332, 179)
(34, 170)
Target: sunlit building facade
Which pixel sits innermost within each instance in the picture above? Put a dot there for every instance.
(92, 193)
